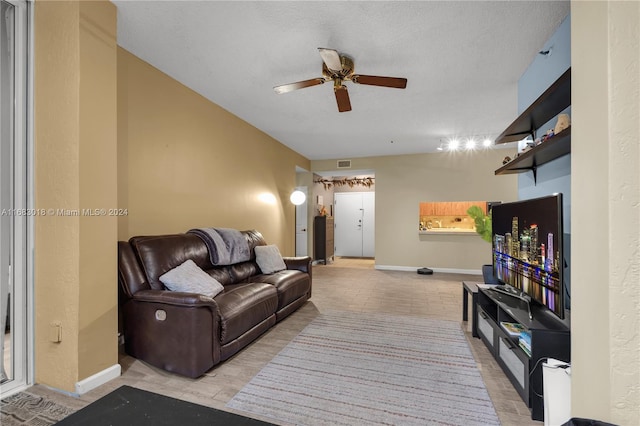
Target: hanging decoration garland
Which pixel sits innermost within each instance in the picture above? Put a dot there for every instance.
(351, 182)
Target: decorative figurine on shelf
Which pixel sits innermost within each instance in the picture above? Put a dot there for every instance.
(528, 145)
(506, 160)
(549, 135)
(563, 122)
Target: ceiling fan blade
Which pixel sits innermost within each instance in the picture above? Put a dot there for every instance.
(331, 58)
(374, 80)
(298, 85)
(342, 97)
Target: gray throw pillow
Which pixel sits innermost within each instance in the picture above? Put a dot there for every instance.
(189, 278)
(269, 259)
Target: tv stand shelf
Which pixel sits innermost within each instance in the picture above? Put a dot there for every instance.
(550, 338)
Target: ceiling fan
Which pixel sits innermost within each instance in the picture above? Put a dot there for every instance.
(339, 68)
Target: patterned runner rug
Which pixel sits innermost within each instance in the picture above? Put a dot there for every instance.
(357, 368)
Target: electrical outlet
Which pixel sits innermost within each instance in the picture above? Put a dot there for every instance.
(55, 332)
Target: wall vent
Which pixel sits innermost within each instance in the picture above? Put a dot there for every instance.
(344, 164)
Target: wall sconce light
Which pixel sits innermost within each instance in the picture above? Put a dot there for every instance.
(298, 197)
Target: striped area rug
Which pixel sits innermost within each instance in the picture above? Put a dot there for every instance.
(348, 368)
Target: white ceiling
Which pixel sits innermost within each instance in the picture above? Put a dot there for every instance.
(462, 61)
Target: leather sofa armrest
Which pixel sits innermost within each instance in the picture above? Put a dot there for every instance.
(175, 298)
(301, 263)
(175, 331)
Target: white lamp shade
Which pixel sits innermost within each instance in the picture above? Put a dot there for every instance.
(298, 197)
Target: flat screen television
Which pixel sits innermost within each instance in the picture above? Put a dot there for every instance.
(527, 249)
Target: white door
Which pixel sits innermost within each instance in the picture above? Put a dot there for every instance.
(354, 224)
(301, 224)
(368, 224)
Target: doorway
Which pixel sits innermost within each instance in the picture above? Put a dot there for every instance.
(354, 224)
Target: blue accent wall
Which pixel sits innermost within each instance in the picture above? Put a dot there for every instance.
(554, 176)
(545, 69)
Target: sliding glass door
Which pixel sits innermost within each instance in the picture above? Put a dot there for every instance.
(14, 214)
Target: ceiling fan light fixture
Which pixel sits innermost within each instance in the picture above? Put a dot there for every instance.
(340, 68)
(331, 58)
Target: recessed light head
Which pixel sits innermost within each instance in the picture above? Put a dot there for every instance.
(454, 144)
(471, 144)
(486, 142)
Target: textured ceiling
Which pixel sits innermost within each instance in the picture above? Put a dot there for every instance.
(462, 61)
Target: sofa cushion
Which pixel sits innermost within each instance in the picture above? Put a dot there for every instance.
(242, 272)
(161, 253)
(269, 259)
(243, 306)
(189, 278)
(291, 285)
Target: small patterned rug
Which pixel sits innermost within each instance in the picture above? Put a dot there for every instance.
(349, 368)
(24, 408)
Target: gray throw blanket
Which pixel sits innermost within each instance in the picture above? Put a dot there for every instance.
(226, 246)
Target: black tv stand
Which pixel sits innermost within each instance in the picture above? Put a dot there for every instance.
(513, 292)
(550, 338)
(507, 289)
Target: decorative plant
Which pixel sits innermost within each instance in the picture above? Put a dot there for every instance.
(482, 222)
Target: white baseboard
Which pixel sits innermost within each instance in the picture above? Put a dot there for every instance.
(441, 270)
(458, 271)
(100, 378)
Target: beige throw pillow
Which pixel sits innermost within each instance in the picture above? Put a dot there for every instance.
(189, 278)
(269, 259)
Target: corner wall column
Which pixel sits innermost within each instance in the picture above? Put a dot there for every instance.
(75, 133)
(605, 180)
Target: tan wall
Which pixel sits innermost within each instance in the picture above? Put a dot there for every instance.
(605, 217)
(402, 182)
(75, 169)
(185, 162)
(113, 132)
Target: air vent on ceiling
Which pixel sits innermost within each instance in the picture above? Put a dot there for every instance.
(344, 164)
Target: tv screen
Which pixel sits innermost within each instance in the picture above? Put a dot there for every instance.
(527, 249)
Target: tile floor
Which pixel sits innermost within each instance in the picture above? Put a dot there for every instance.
(346, 284)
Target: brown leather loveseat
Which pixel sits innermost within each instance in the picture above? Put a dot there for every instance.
(188, 333)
